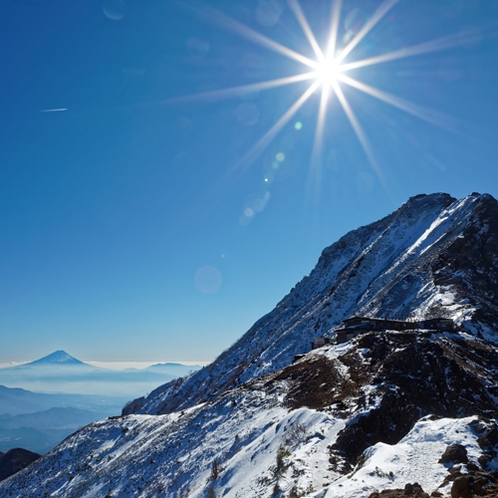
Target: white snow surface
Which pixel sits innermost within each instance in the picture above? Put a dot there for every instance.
(229, 414)
(413, 459)
(380, 270)
(141, 456)
(172, 455)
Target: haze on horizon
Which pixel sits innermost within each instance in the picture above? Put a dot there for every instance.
(154, 202)
(110, 365)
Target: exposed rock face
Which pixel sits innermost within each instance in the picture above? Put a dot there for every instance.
(15, 460)
(433, 257)
(410, 491)
(455, 453)
(326, 424)
(395, 378)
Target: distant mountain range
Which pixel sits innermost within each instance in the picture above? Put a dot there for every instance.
(60, 372)
(38, 421)
(391, 409)
(16, 401)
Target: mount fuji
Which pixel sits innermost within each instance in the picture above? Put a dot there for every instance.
(402, 410)
(56, 358)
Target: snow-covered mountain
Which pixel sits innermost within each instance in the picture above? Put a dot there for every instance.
(402, 266)
(381, 411)
(56, 358)
(60, 372)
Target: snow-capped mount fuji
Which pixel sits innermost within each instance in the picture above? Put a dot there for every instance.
(344, 421)
(434, 256)
(58, 357)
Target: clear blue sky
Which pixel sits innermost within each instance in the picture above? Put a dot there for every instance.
(140, 226)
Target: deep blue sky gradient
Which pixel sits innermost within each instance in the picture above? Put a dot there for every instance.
(108, 209)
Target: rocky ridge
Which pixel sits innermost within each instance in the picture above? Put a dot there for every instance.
(402, 266)
(370, 417)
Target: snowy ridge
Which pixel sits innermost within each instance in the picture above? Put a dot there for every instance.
(343, 421)
(252, 441)
(383, 269)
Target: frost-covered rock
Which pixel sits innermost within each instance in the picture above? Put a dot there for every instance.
(434, 256)
(344, 421)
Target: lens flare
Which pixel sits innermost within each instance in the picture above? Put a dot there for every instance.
(325, 72)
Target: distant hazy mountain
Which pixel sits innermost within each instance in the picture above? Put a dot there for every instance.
(56, 358)
(177, 369)
(16, 401)
(42, 431)
(348, 420)
(38, 421)
(60, 372)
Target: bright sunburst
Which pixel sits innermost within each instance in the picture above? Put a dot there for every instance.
(326, 72)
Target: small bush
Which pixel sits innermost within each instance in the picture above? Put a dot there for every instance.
(214, 471)
(210, 493)
(281, 454)
(296, 434)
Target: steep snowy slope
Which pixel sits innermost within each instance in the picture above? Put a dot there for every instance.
(343, 421)
(395, 267)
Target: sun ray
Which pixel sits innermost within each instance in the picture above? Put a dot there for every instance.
(232, 25)
(263, 142)
(421, 112)
(238, 90)
(334, 29)
(383, 9)
(327, 71)
(299, 14)
(315, 175)
(357, 129)
(320, 122)
(422, 48)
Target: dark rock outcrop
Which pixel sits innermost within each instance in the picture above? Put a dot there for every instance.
(410, 491)
(454, 453)
(15, 460)
(415, 376)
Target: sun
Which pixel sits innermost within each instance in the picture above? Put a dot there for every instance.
(327, 73)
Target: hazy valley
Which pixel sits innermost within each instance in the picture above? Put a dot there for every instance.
(58, 394)
(272, 418)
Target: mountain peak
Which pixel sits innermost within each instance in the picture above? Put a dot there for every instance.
(348, 419)
(435, 256)
(57, 358)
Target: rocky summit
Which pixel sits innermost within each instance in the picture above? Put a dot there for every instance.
(401, 399)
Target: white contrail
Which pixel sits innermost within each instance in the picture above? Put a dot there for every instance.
(58, 109)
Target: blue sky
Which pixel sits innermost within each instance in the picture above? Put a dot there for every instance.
(140, 223)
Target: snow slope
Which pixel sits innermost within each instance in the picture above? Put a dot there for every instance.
(385, 269)
(344, 420)
(173, 454)
(262, 444)
(413, 459)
